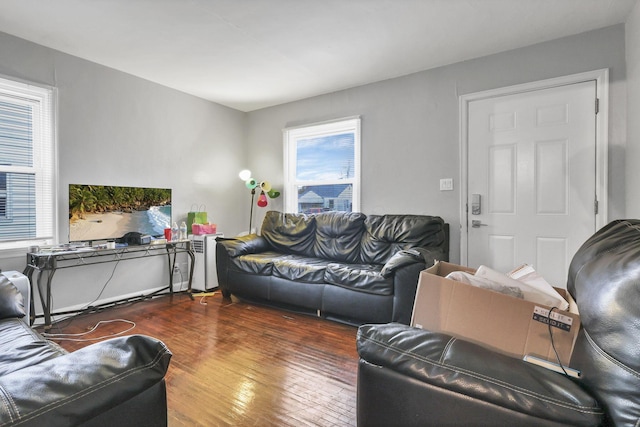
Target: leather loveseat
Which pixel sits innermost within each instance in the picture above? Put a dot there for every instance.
(414, 377)
(343, 266)
(118, 382)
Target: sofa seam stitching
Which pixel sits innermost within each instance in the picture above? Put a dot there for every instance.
(580, 408)
(610, 358)
(94, 388)
(9, 404)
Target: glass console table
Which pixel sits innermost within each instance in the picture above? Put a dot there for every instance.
(46, 262)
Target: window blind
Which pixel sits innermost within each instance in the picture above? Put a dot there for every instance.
(27, 177)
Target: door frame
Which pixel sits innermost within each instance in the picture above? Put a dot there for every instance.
(601, 78)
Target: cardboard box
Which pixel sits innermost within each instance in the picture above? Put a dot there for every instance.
(510, 325)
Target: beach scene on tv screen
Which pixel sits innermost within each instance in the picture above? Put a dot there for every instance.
(100, 212)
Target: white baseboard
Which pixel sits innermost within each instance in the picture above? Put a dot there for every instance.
(177, 287)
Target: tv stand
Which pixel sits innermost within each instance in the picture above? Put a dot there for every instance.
(46, 263)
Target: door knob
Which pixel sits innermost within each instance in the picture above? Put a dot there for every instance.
(476, 223)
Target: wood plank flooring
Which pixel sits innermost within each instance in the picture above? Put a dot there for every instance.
(238, 364)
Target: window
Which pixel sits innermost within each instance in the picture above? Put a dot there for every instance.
(322, 167)
(27, 198)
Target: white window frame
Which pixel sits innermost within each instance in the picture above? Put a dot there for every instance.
(42, 99)
(334, 127)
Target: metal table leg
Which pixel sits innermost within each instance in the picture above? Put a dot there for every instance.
(28, 271)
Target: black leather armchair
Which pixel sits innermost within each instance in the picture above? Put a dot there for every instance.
(117, 382)
(410, 376)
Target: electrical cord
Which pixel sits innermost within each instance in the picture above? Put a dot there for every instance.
(88, 305)
(553, 345)
(204, 295)
(105, 285)
(75, 337)
(181, 278)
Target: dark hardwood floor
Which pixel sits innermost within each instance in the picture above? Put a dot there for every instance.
(238, 364)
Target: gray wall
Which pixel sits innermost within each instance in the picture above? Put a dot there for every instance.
(410, 128)
(116, 129)
(633, 124)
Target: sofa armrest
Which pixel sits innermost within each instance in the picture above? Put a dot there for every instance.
(401, 259)
(243, 245)
(78, 386)
(405, 267)
(470, 371)
(426, 256)
(11, 300)
(405, 285)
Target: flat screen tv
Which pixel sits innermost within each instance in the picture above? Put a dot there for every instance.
(105, 212)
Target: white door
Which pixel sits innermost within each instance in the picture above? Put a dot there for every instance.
(532, 179)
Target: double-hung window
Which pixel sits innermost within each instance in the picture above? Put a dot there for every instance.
(322, 167)
(27, 154)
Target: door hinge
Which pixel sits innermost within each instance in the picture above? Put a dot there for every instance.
(595, 206)
(597, 105)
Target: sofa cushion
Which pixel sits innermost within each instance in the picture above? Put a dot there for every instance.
(11, 300)
(287, 232)
(260, 263)
(359, 277)
(384, 235)
(300, 268)
(338, 235)
(21, 347)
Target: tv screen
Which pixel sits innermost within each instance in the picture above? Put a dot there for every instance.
(104, 212)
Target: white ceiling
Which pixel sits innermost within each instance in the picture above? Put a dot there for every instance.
(250, 54)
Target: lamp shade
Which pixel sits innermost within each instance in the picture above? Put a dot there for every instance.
(262, 200)
(251, 183)
(245, 174)
(265, 186)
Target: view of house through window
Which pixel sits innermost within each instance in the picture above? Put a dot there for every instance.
(322, 167)
(27, 214)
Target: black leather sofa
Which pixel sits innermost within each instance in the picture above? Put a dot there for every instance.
(343, 266)
(118, 382)
(414, 377)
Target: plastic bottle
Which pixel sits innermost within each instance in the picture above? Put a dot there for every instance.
(175, 231)
(183, 230)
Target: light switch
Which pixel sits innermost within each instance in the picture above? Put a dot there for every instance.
(446, 184)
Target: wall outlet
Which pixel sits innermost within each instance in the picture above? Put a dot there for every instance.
(446, 184)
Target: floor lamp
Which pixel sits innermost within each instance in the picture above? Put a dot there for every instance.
(265, 190)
